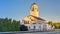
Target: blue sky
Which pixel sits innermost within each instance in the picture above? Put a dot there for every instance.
(18, 9)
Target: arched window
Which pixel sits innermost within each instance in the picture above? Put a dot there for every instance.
(33, 9)
(34, 27)
(29, 27)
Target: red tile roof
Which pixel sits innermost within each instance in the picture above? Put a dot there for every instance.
(38, 18)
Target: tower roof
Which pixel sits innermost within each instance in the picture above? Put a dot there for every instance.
(34, 4)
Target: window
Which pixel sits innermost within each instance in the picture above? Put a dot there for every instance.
(26, 22)
(32, 9)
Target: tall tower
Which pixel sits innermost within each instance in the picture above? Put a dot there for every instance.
(33, 17)
(34, 10)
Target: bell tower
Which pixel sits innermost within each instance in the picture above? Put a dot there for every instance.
(34, 10)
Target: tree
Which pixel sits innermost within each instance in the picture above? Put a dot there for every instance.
(23, 28)
(9, 25)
